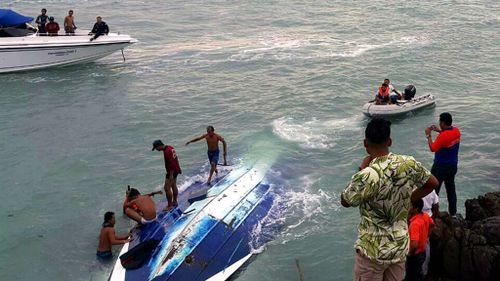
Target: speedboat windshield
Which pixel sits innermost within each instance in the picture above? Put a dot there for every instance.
(21, 30)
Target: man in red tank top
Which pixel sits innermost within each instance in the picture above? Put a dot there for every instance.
(173, 169)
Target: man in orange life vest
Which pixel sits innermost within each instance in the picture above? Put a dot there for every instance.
(383, 95)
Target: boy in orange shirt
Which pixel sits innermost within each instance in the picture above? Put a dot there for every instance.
(420, 227)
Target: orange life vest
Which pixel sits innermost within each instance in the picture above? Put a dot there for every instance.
(382, 94)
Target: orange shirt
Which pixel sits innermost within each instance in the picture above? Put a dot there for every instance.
(419, 230)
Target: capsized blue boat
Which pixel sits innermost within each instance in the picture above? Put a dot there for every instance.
(9, 18)
(208, 239)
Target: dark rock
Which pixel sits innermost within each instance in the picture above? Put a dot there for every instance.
(477, 239)
(491, 230)
(458, 233)
(467, 269)
(483, 207)
(484, 260)
(467, 249)
(451, 258)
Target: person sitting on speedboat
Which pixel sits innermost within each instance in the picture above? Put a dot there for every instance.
(100, 28)
(382, 96)
(125, 202)
(140, 208)
(394, 95)
(52, 27)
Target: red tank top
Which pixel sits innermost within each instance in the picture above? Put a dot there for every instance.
(171, 160)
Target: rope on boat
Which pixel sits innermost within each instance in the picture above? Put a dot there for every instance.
(301, 275)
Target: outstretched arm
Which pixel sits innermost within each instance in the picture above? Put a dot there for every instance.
(116, 240)
(196, 139)
(155, 192)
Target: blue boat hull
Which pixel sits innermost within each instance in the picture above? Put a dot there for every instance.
(209, 239)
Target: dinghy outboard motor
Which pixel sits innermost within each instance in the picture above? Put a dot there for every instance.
(410, 92)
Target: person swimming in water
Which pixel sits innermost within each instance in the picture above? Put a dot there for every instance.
(213, 152)
(108, 238)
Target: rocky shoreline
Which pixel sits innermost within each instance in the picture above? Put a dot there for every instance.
(467, 249)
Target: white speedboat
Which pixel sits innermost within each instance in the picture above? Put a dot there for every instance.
(21, 47)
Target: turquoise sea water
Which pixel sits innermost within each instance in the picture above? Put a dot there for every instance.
(283, 76)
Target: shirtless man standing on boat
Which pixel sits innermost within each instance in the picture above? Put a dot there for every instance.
(140, 208)
(213, 149)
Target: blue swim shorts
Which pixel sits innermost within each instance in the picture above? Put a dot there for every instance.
(104, 255)
(213, 156)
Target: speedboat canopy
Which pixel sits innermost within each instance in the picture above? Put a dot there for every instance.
(9, 18)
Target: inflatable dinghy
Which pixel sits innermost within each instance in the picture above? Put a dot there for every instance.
(410, 103)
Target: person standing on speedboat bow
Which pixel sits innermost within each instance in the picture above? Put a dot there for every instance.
(69, 23)
(213, 152)
(173, 169)
(41, 21)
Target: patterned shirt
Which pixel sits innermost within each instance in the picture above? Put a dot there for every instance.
(382, 191)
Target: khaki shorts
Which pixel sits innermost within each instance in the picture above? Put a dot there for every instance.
(368, 270)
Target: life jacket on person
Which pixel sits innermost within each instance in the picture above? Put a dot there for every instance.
(382, 93)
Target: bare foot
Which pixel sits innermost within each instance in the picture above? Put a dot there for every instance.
(168, 208)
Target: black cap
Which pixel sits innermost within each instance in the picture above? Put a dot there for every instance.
(51, 18)
(156, 143)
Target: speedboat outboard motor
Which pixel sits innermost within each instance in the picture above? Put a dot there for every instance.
(410, 92)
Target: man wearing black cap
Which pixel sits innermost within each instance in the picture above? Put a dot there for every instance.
(52, 27)
(173, 169)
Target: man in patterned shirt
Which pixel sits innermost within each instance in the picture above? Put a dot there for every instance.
(383, 189)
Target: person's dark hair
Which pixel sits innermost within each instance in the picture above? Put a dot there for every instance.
(419, 205)
(384, 84)
(133, 192)
(378, 131)
(211, 128)
(446, 118)
(44, 10)
(108, 216)
(387, 79)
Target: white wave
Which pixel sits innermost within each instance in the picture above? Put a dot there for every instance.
(304, 211)
(298, 46)
(314, 133)
(269, 45)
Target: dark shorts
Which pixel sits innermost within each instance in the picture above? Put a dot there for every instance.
(383, 98)
(104, 255)
(167, 175)
(394, 99)
(213, 156)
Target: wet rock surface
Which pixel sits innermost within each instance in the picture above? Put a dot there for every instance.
(467, 249)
